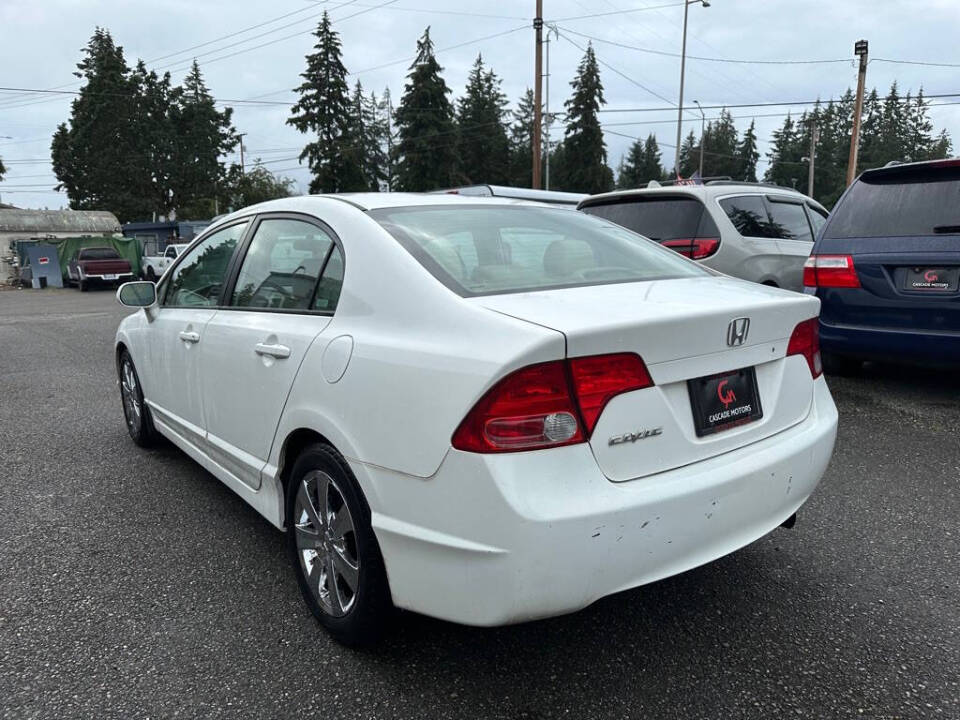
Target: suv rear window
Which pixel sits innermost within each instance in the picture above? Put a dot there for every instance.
(896, 203)
(659, 218)
(493, 249)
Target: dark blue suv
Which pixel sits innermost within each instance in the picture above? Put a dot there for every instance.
(886, 267)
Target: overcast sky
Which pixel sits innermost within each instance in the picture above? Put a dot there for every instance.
(41, 42)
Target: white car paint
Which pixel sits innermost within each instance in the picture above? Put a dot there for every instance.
(487, 539)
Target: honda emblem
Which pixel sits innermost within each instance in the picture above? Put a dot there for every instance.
(737, 331)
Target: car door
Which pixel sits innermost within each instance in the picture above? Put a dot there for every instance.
(788, 219)
(188, 298)
(285, 287)
(761, 258)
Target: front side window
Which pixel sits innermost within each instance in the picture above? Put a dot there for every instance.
(198, 280)
(482, 250)
(282, 266)
(790, 220)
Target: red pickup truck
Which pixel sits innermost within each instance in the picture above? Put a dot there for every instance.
(98, 265)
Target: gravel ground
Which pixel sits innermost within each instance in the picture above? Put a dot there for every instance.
(134, 584)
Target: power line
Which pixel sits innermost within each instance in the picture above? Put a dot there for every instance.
(761, 104)
(915, 62)
(617, 12)
(707, 59)
(461, 13)
(618, 72)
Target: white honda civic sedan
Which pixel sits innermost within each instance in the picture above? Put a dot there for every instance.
(483, 410)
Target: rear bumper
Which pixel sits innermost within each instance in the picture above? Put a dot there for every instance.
(492, 540)
(888, 344)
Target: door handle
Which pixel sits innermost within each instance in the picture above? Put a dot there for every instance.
(277, 351)
(190, 337)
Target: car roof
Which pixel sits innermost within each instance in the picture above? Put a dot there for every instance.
(375, 201)
(895, 168)
(702, 192)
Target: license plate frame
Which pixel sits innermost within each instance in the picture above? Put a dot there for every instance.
(724, 400)
(937, 279)
(110, 276)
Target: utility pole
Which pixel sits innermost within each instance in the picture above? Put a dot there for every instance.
(548, 116)
(683, 67)
(703, 134)
(537, 94)
(242, 171)
(812, 159)
(860, 48)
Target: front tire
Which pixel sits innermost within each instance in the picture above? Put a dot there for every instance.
(135, 410)
(151, 274)
(84, 286)
(333, 550)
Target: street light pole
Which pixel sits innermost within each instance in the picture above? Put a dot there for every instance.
(683, 67)
(703, 128)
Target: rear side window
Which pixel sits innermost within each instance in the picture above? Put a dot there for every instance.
(748, 215)
(817, 218)
(789, 221)
(282, 266)
(897, 203)
(659, 218)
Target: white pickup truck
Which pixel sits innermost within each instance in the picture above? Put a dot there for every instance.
(155, 265)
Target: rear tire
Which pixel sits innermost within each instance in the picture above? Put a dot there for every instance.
(135, 411)
(334, 553)
(840, 364)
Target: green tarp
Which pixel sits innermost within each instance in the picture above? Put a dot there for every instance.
(129, 248)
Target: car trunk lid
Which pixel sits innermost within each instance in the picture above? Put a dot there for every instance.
(680, 328)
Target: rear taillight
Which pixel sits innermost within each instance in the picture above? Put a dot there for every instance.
(830, 271)
(695, 248)
(550, 404)
(805, 341)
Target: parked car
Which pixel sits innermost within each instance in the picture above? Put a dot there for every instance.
(98, 265)
(155, 265)
(483, 410)
(761, 233)
(887, 267)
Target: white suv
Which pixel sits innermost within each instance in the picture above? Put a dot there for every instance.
(762, 233)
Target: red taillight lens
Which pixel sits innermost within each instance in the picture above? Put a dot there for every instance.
(805, 341)
(830, 271)
(530, 408)
(599, 378)
(695, 248)
(548, 405)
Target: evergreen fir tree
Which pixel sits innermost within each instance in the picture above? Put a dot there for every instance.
(689, 156)
(324, 110)
(95, 155)
(203, 135)
(747, 155)
(628, 174)
(154, 137)
(651, 168)
(426, 132)
(483, 148)
(385, 130)
(720, 147)
(785, 152)
(521, 142)
(3, 170)
(584, 164)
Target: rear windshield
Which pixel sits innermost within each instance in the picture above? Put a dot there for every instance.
(659, 218)
(99, 254)
(484, 250)
(921, 201)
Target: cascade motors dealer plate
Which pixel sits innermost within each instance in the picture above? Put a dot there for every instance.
(724, 401)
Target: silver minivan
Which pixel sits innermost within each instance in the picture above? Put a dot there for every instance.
(757, 232)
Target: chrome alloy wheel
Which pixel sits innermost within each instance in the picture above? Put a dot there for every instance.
(326, 543)
(132, 410)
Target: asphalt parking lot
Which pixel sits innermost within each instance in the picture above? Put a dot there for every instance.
(134, 584)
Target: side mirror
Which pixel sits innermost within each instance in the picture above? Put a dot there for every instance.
(137, 294)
